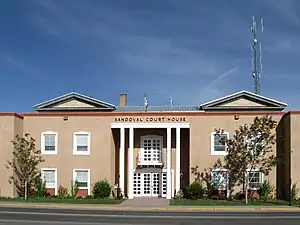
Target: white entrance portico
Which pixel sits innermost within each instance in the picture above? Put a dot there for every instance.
(151, 183)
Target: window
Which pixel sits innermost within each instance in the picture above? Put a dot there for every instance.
(217, 145)
(256, 144)
(49, 176)
(82, 177)
(255, 179)
(81, 143)
(49, 141)
(151, 149)
(219, 179)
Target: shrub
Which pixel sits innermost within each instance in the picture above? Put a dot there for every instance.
(266, 191)
(194, 191)
(41, 188)
(62, 192)
(210, 190)
(74, 189)
(239, 196)
(294, 192)
(101, 189)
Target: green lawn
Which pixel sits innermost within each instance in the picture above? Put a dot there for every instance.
(62, 200)
(229, 203)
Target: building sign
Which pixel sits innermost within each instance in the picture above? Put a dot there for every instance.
(150, 119)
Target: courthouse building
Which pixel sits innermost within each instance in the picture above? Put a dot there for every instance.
(147, 151)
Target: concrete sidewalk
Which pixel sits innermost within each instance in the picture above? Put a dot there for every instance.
(166, 208)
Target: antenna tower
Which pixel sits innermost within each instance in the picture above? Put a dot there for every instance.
(256, 49)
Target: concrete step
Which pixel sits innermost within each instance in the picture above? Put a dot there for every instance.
(146, 202)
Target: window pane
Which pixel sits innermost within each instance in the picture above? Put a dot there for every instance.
(152, 150)
(219, 146)
(49, 178)
(82, 142)
(82, 178)
(82, 139)
(254, 180)
(82, 184)
(219, 179)
(49, 142)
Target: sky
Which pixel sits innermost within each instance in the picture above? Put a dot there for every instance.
(192, 50)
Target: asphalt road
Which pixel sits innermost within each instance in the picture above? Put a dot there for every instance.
(35, 216)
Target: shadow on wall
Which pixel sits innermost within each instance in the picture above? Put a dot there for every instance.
(283, 170)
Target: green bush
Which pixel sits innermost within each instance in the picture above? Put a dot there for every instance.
(101, 189)
(41, 188)
(74, 189)
(210, 191)
(62, 192)
(266, 191)
(194, 191)
(294, 192)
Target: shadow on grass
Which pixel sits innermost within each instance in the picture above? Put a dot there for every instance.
(230, 203)
(64, 200)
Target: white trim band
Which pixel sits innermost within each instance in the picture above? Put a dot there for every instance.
(150, 125)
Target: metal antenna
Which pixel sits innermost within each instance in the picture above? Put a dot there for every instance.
(256, 56)
(146, 103)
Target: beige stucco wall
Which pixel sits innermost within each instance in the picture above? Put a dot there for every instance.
(10, 126)
(100, 161)
(105, 142)
(294, 148)
(200, 138)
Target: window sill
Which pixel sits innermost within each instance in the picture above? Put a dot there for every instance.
(50, 187)
(49, 152)
(218, 153)
(253, 189)
(150, 163)
(81, 153)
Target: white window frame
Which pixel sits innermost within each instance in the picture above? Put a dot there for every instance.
(221, 170)
(89, 179)
(43, 152)
(75, 152)
(55, 175)
(261, 177)
(141, 155)
(212, 144)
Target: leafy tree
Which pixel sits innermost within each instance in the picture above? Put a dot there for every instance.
(24, 165)
(250, 147)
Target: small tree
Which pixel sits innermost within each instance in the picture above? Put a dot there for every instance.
(251, 147)
(24, 165)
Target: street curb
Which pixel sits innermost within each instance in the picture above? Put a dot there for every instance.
(170, 208)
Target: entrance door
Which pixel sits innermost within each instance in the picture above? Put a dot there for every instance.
(151, 184)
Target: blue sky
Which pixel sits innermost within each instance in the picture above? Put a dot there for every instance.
(192, 50)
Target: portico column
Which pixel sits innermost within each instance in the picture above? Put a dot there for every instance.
(177, 186)
(122, 159)
(169, 164)
(130, 163)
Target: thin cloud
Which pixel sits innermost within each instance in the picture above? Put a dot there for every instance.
(177, 52)
(288, 9)
(223, 75)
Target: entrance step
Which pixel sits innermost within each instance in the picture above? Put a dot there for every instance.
(146, 202)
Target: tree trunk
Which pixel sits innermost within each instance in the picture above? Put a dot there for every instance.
(25, 194)
(246, 191)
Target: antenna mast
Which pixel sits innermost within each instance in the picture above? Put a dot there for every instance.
(256, 55)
